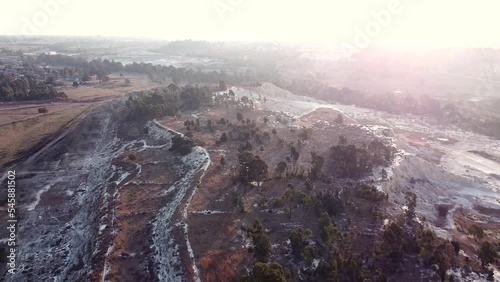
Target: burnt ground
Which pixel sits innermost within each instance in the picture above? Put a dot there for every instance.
(217, 227)
(88, 202)
(57, 193)
(102, 201)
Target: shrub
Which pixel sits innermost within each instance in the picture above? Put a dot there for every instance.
(181, 145)
(487, 253)
(298, 238)
(261, 242)
(132, 157)
(265, 272)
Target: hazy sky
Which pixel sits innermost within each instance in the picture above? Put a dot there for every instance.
(418, 22)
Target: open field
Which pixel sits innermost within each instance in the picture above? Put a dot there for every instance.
(19, 137)
(114, 88)
(22, 126)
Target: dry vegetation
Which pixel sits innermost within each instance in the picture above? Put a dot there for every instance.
(220, 236)
(18, 137)
(22, 126)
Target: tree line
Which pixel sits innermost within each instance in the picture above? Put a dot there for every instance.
(157, 73)
(19, 88)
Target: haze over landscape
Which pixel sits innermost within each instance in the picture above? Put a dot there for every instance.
(257, 141)
(419, 23)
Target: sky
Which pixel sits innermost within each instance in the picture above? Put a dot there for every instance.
(436, 23)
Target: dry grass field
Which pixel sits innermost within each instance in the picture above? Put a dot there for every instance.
(19, 137)
(22, 126)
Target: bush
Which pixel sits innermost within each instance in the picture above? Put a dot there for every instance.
(181, 145)
(487, 253)
(298, 238)
(261, 242)
(370, 192)
(265, 272)
(132, 157)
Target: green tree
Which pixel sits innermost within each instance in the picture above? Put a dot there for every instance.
(342, 140)
(339, 119)
(262, 247)
(393, 240)
(298, 238)
(223, 137)
(487, 253)
(308, 254)
(288, 211)
(281, 169)
(317, 163)
(262, 242)
(323, 222)
(102, 76)
(252, 168)
(309, 184)
(411, 203)
(265, 272)
(239, 116)
(86, 76)
(384, 173)
(335, 271)
(476, 231)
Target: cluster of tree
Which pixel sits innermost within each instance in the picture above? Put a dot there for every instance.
(370, 192)
(329, 232)
(398, 240)
(251, 168)
(350, 161)
(181, 145)
(27, 88)
(329, 202)
(390, 102)
(317, 163)
(397, 103)
(247, 131)
(156, 73)
(265, 272)
(261, 242)
(10, 52)
(487, 252)
(299, 240)
(167, 101)
(290, 168)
